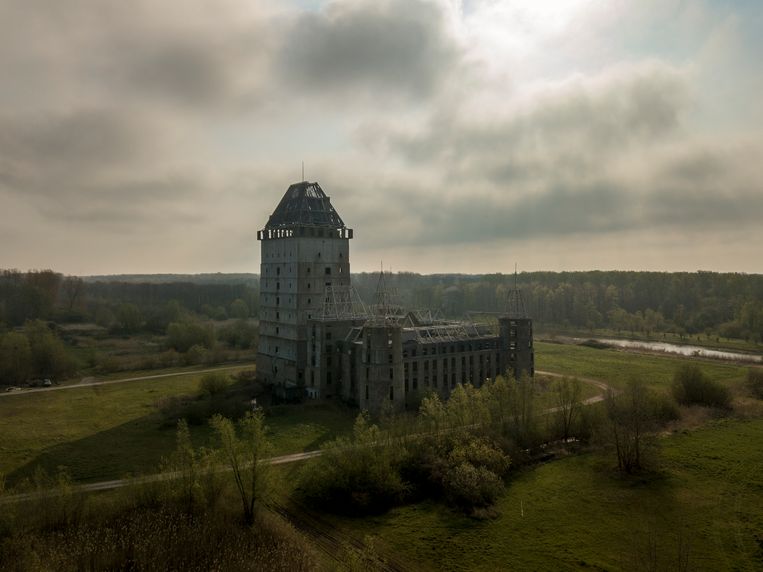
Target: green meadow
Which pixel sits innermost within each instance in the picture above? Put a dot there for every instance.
(704, 507)
(110, 431)
(616, 366)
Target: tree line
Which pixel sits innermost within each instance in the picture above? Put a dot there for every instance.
(125, 306)
(726, 304)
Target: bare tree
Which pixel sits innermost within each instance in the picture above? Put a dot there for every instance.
(72, 289)
(631, 415)
(567, 392)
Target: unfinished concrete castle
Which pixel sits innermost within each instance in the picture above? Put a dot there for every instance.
(318, 338)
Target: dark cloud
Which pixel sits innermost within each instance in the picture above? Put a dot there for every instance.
(189, 54)
(95, 136)
(179, 124)
(569, 130)
(390, 46)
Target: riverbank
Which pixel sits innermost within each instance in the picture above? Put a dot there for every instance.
(659, 347)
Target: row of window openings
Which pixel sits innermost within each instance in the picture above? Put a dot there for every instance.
(426, 362)
(291, 253)
(309, 300)
(310, 231)
(391, 393)
(483, 358)
(445, 349)
(414, 384)
(326, 270)
(309, 285)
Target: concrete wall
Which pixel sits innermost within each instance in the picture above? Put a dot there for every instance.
(518, 354)
(294, 271)
(380, 368)
(440, 366)
(324, 372)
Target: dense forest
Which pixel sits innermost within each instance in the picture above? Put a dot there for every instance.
(726, 304)
(121, 304)
(730, 305)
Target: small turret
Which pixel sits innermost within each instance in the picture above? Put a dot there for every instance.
(517, 355)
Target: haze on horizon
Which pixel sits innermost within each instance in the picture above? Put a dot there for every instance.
(453, 136)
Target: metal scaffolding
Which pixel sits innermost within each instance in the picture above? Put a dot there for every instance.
(386, 310)
(343, 303)
(449, 332)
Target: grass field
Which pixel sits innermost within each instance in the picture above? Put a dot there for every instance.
(616, 367)
(106, 432)
(706, 503)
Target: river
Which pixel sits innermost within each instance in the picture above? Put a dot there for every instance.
(691, 351)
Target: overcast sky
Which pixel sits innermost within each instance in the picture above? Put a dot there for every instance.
(157, 136)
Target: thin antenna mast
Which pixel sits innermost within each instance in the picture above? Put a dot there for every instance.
(303, 171)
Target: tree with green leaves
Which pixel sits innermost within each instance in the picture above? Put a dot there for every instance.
(521, 402)
(184, 463)
(239, 309)
(243, 454)
(49, 357)
(15, 358)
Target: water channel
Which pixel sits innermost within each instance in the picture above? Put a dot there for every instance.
(691, 351)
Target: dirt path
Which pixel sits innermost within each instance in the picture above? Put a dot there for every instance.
(119, 483)
(591, 400)
(121, 380)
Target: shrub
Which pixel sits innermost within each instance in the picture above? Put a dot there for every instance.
(196, 354)
(480, 453)
(692, 387)
(213, 384)
(755, 382)
(356, 476)
(181, 336)
(241, 334)
(472, 487)
(665, 409)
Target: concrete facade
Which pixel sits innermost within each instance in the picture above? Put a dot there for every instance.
(303, 251)
(318, 341)
(388, 366)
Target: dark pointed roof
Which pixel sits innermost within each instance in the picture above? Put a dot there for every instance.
(305, 203)
(515, 305)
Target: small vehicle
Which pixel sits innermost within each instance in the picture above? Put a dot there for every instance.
(12, 388)
(47, 383)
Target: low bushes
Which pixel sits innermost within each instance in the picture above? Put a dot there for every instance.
(356, 475)
(692, 387)
(213, 384)
(755, 382)
(217, 395)
(372, 472)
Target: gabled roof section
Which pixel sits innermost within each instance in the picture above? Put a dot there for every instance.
(515, 303)
(305, 203)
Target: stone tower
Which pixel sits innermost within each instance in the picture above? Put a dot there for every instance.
(305, 247)
(383, 387)
(516, 333)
